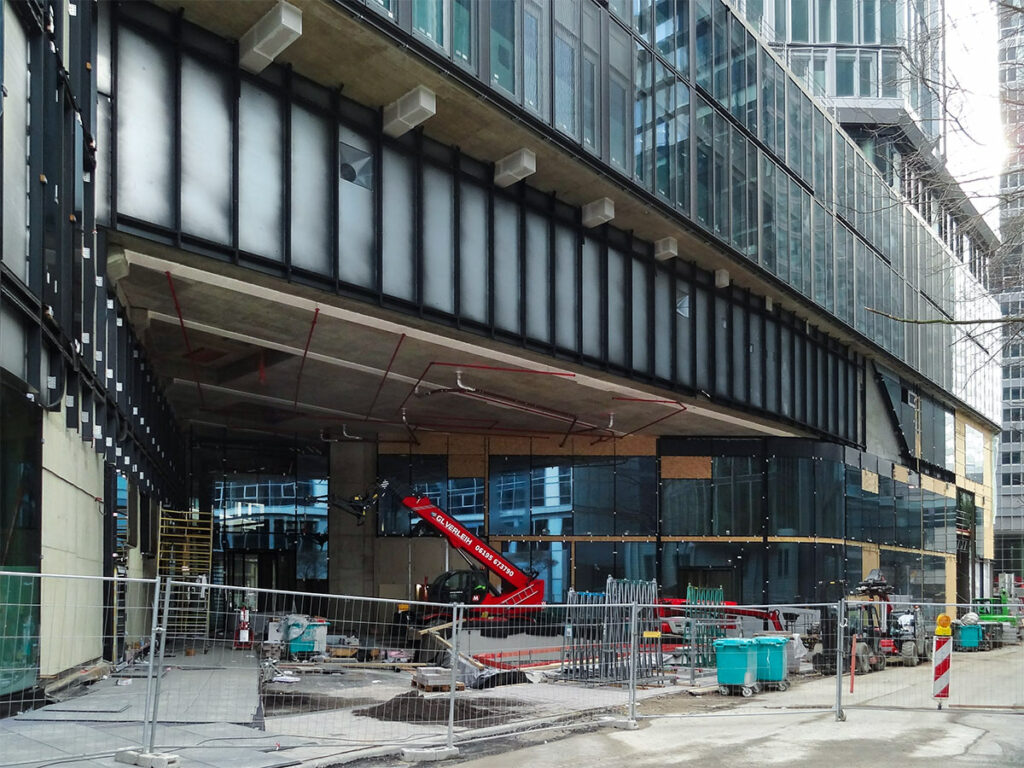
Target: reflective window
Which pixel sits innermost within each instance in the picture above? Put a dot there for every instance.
(503, 44)
(428, 20)
(464, 31)
(620, 105)
(535, 51)
(566, 56)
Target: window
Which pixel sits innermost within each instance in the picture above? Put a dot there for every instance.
(566, 56)
(844, 21)
(619, 104)
(590, 85)
(503, 44)
(535, 37)
(888, 23)
(463, 27)
(824, 21)
(845, 63)
(869, 19)
(800, 23)
(868, 82)
(890, 74)
(428, 20)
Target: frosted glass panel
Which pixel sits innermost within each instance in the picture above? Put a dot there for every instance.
(565, 288)
(664, 318)
(617, 324)
(355, 210)
(639, 308)
(260, 155)
(398, 227)
(538, 279)
(102, 160)
(145, 118)
(311, 192)
(473, 253)
(13, 344)
(205, 153)
(438, 241)
(15, 148)
(591, 298)
(506, 266)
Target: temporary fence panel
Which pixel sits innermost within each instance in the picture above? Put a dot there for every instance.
(893, 666)
(777, 657)
(75, 670)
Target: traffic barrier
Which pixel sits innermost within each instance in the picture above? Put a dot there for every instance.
(942, 653)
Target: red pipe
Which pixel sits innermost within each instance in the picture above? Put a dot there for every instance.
(184, 334)
(305, 351)
(384, 378)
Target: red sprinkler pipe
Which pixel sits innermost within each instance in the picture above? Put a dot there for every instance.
(184, 335)
(384, 378)
(305, 352)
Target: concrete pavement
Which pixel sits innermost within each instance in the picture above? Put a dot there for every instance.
(875, 738)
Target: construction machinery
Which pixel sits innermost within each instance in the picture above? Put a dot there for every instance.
(521, 593)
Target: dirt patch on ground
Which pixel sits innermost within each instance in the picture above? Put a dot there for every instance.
(414, 707)
(295, 703)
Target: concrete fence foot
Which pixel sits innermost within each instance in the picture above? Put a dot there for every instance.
(429, 754)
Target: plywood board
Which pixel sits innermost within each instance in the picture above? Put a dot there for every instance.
(686, 467)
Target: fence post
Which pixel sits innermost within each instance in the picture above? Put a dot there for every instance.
(840, 626)
(456, 626)
(162, 631)
(634, 627)
(147, 726)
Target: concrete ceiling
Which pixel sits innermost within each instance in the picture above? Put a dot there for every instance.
(241, 350)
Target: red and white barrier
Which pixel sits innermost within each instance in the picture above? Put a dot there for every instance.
(942, 650)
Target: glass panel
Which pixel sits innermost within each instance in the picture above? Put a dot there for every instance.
(593, 564)
(888, 22)
(800, 24)
(535, 52)
(260, 173)
(619, 97)
(311, 184)
(565, 288)
(538, 278)
(428, 20)
(636, 497)
(845, 63)
(868, 81)
(506, 265)
(824, 21)
(566, 48)
(869, 19)
(355, 210)
(643, 140)
(144, 137)
(639, 305)
(206, 166)
(398, 273)
(473, 253)
(509, 495)
(686, 507)
(594, 495)
(845, 22)
(591, 84)
(503, 44)
(438, 240)
(682, 146)
(16, 145)
(617, 302)
(464, 31)
(592, 292)
(703, 47)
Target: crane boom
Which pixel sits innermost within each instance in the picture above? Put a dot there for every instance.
(459, 537)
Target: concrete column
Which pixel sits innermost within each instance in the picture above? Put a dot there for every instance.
(353, 468)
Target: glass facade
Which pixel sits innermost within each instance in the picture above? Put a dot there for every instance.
(271, 531)
(774, 520)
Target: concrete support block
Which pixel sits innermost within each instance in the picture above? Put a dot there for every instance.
(127, 756)
(434, 754)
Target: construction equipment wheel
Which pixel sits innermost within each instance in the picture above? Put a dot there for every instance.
(724, 690)
(747, 691)
(879, 664)
(909, 654)
(784, 685)
(757, 687)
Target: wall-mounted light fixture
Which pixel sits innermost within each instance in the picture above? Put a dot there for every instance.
(514, 167)
(666, 248)
(598, 212)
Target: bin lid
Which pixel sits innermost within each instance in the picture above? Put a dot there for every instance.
(771, 640)
(732, 642)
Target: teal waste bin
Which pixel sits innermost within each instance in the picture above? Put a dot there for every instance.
(736, 660)
(771, 661)
(970, 636)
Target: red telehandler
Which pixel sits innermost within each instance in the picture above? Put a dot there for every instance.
(522, 592)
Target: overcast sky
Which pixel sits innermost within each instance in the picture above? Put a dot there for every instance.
(975, 146)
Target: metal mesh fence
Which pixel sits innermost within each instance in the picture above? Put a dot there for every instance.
(89, 666)
(892, 663)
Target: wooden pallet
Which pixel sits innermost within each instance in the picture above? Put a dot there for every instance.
(440, 688)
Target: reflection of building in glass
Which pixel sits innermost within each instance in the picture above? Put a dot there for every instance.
(280, 515)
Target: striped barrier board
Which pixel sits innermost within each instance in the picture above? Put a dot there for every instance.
(941, 653)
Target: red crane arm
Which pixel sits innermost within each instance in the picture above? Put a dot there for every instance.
(461, 538)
